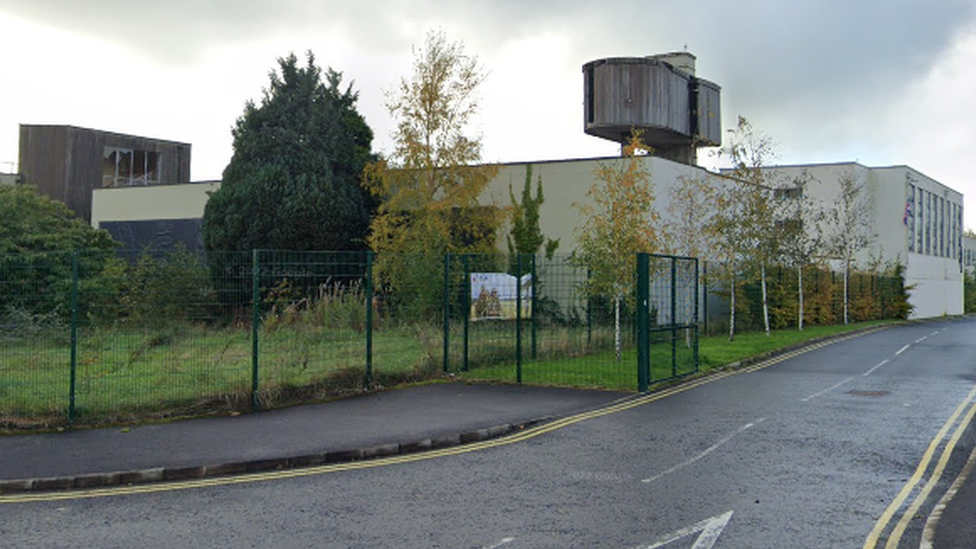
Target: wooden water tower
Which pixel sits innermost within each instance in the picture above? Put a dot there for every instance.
(659, 94)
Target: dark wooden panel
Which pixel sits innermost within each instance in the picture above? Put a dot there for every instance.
(709, 113)
(43, 159)
(66, 163)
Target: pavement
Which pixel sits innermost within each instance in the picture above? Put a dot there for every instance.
(380, 424)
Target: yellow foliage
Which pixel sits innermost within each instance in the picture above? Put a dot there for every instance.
(430, 186)
(619, 221)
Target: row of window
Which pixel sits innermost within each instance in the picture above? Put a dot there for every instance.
(128, 167)
(969, 258)
(934, 224)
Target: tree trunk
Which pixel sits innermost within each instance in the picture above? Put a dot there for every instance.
(617, 340)
(732, 309)
(765, 300)
(846, 270)
(799, 278)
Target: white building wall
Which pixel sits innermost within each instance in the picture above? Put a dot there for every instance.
(566, 182)
(185, 201)
(935, 274)
(930, 249)
(968, 252)
(932, 224)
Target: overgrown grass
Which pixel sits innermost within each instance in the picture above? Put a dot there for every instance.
(124, 374)
(131, 374)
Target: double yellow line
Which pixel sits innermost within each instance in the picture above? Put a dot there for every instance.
(522, 436)
(894, 538)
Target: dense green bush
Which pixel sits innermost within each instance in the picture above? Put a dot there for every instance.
(42, 245)
(167, 288)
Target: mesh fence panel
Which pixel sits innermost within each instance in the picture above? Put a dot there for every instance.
(163, 332)
(102, 337)
(532, 319)
(674, 308)
(35, 340)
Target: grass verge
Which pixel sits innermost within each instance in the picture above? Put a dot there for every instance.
(602, 370)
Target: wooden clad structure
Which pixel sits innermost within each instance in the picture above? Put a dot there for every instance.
(677, 111)
(708, 113)
(66, 163)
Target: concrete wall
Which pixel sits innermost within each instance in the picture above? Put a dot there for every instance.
(969, 252)
(937, 279)
(566, 182)
(160, 217)
(934, 272)
(155, 202)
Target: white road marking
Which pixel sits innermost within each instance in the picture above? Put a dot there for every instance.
(707, 451)
(905, 348)
(504, 541)
(871, 371)
(921, 339)
(828, 389)
(935, 333)
(710, 530)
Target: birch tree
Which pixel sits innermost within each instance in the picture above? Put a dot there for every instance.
(690, 211)
(852, 227)
(748, 213)
(430, 185)
(801, 231)
(618, 223)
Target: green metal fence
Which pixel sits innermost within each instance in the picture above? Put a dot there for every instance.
(96, 337)
(870, 296)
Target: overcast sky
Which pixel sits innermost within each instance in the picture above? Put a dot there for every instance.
(881, 82)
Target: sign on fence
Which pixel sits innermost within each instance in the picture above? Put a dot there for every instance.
(495, 296)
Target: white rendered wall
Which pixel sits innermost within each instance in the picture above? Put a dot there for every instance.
(185, 201)
(566, 182)
(935, 276)
(937, 280)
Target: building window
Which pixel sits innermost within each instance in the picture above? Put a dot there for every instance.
(129, 167)
(910, 217)
(942, 227)
(929, 225)
(788, 193)
(951, 251)
(920, 248)
(789, 226)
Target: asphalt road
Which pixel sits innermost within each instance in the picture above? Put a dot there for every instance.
(822, 450)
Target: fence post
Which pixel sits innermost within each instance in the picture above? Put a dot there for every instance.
(467, 309)
(518, 319)
(368, 379)
(643, 337)
(704, 294)
(73, 383)
(447, 310)
(589, 313)
(674, 317)
(883, 293)
(255, 323)
(532, 319)
(695, 319)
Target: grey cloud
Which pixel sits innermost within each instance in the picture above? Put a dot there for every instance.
(776, 60)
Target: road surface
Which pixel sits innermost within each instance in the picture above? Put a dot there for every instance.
(848, 445)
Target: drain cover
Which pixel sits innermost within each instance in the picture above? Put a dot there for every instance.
(857, 392)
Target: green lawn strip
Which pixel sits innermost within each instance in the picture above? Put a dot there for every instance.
(603, 371)
(717, 351)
